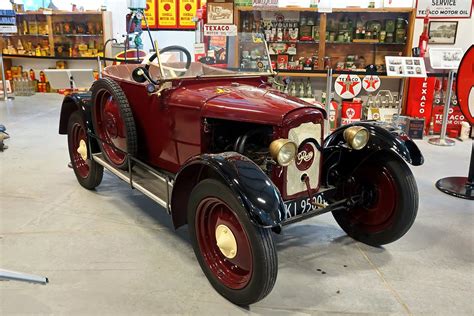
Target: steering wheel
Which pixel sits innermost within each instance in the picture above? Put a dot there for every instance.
(173, 71)
(142, 74)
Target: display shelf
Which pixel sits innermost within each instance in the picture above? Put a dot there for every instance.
(79, 35)
(293, 42)
(9, 56)
(327, 26)
(323, 74)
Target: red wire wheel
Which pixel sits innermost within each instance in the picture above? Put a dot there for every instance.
(238, 257)
(113, 122)
(88, 172)
(389, 201)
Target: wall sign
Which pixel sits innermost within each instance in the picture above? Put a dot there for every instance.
(444, 9)
(371, 83)
(220, 30)
(465, 85)
(348, 86)
(151, 14)
(220, 13)
(167, 14)
(187, 12)
(265, 3)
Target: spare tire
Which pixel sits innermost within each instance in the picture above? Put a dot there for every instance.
(113, 122)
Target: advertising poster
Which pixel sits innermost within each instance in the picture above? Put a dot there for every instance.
(187, 11)
(444, 9)
(167, 14)
(151, 14)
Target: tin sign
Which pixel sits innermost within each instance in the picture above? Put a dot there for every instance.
(348, 86)
(220, 30)
(444, 9)
(371, 83)
(265, 3)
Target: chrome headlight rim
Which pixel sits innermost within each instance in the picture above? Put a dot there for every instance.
(281, 147)
(357, 137)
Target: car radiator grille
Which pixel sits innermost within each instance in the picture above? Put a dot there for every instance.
(294, 184)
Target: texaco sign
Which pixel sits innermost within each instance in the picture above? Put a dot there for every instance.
(465, 85)
(371, 83)
(348, 86)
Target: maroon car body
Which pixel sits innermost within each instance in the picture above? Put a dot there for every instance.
(237, 160)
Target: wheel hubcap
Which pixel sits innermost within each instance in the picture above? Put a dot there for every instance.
(82, 149)
(223, 243)
(226, 241)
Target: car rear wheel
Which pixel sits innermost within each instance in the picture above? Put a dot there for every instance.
(238, 258)
(113, 122)
(88, 172)
(390, 201)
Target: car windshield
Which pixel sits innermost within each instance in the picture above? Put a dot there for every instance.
(218, 56)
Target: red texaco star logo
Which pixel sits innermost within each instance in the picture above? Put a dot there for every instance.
(371, 82)
(348, 85)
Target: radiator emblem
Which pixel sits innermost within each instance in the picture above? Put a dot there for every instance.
(305, 157)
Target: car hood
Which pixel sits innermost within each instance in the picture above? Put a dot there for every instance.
(250, 104)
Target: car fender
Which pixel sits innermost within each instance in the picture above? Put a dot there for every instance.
(75, 102)
(383, 137)
(250, 185)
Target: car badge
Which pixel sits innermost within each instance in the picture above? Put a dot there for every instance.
(305, 157)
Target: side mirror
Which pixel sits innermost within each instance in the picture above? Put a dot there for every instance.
(139, 75)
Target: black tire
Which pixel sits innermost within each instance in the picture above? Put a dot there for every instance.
(255, 284)
(386, 216)
(125, 139)
(88, 172)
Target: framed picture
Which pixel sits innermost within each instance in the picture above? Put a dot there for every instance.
(443, 32)
(220, 13)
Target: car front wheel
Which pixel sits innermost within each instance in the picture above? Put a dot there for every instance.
(389, 201)
(88, 172)
(238, 258)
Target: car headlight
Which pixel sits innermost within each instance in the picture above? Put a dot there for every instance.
(357, 137)
(283, 151)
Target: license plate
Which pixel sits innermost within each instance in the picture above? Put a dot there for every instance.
(305, 205)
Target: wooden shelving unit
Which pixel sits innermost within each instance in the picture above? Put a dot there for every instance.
(59, 35)
(372, 51)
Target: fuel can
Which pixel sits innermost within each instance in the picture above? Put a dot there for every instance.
(351, 112)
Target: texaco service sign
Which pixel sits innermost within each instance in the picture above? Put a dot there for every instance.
(348, 86)
(465, 85)
(444, 9)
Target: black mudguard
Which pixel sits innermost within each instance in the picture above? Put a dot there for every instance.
(72, 103)
(251, 187)
(383, 137)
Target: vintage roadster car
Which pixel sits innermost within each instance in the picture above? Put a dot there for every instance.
(237, 160)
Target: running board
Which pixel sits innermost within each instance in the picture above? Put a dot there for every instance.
(155, 186)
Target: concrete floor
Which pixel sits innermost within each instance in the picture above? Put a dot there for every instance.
(114, 252)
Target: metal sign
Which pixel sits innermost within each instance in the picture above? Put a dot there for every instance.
(265, 3)
(348, 86)
(444, 9)
(371, 83)
(465, 85)
(220, 30)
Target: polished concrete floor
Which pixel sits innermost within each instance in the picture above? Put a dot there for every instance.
(114, 251)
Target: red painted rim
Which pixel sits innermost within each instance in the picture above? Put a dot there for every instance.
(81, 166)
(379, 210)
(234, 273)
(110, 127)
